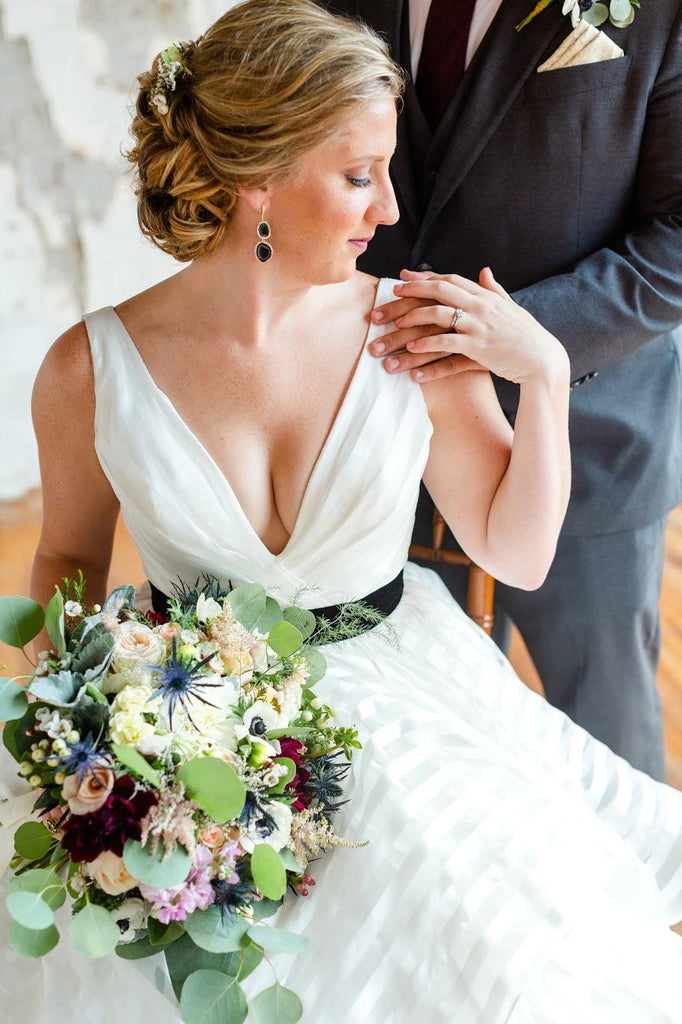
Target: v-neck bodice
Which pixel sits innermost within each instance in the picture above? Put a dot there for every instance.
(354, 524)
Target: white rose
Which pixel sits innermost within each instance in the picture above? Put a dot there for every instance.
(136, 642)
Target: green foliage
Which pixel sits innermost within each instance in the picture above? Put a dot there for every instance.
(94, 655)
(93, 932)
(31, 942)
(209, 997)
(302, 619)
(164, 934)
(316, 663)
(268, 871)
(248, 603)
(13, 701)
(598, 14)
(54, 622)
(131, 759)
(285, 639)
(215, 932)
(276, 940)
(122, 597)
(152, 869)
(215, 787)
(21, 619)
(137, 950)
(32, 840)
(29, 909)
(44, 882)
(277, 1005)
(61, 688)
(184, 957)
(9, 737)
(272, 613)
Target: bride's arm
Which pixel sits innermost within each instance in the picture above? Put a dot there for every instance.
(503, 493)
(79, 507)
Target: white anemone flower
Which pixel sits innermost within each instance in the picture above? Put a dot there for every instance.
(208, 608)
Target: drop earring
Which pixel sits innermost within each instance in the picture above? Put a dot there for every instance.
(263, 248)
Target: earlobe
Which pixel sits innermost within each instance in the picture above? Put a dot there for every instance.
(257, 198)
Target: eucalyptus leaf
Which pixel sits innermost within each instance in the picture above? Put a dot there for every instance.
(137, 950)
(597, 15)
(45, 882)
(21, 619)
(152, 869)
(317, 665)
(13, 700)
(266, 908)
(54, 621)
(277, 1005)
(215, 787)
(302, 619)
(132, 759)
(276, 940)
(93, 932)
(268, 871)
(619, 10)
(31, 942)
(123, 596)
(209, 930)
(62, 688)
(29, 909)
(626, 21)
(9, 737)
(164, 934)
(290, 862)
(271, 615)
(285, 639)
(248, 603)
(184, 957)
(209, 997)
(32, 840)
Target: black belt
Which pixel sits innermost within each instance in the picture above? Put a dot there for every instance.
(384, 601)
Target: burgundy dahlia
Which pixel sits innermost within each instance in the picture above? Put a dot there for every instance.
(295, 750)
(109, 828)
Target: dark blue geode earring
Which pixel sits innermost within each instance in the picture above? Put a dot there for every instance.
(263, 248)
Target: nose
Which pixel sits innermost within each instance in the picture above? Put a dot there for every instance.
(385, 206)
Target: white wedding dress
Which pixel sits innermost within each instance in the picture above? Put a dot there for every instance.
(517, 872)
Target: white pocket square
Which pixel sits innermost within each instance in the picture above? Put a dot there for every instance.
(585, 45)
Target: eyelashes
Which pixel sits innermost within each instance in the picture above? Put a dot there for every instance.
(359, 182)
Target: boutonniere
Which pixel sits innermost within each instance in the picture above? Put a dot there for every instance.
(619, 12)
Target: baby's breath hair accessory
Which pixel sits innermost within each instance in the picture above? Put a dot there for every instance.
(172, 64)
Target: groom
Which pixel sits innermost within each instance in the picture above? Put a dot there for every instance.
(568, 183)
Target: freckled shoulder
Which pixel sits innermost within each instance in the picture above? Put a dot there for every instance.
(64, 387)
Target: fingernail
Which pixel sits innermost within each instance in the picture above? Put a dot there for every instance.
(379, 347)
(418, 374)
(377, 316)
(397, 289)
(392, 364)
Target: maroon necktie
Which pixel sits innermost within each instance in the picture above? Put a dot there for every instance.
(441, 64)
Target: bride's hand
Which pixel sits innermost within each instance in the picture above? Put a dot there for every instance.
(492, 331)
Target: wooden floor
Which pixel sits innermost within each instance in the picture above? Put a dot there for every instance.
(20, 527)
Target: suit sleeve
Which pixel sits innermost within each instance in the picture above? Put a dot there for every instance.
(618, 298)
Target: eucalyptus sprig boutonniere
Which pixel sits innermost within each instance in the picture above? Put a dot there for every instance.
(619, 12)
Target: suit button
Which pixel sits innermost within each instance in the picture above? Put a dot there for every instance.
(423, 266)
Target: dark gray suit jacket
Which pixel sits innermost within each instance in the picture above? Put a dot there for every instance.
(568, 184)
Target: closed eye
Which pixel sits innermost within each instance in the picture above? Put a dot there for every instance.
(359, 182)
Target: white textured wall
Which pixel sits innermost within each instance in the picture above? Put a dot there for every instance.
(69, 241)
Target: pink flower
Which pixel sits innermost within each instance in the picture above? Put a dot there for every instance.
(195, 893)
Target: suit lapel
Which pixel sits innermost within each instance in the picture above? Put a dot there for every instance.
(502, 63)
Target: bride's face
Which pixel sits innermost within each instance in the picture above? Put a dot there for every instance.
(324, 216)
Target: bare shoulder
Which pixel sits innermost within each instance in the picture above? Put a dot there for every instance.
(65, 378)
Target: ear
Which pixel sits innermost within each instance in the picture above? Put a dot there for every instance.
(256, 198)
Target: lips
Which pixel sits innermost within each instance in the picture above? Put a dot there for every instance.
(361, 243)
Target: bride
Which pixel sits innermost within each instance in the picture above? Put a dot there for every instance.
(517, 872)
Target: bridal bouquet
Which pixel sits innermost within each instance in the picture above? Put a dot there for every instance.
(183, 776)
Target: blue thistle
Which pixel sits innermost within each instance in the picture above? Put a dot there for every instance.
(180, 682)
(81, 757)
(233, 897)
(324, 783)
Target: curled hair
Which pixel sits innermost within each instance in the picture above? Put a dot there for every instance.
(267, 84)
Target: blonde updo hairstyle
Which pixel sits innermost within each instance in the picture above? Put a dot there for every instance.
(266, 85)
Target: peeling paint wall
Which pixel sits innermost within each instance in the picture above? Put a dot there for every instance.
(69, 240)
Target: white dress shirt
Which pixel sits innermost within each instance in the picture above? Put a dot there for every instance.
(484, 12)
